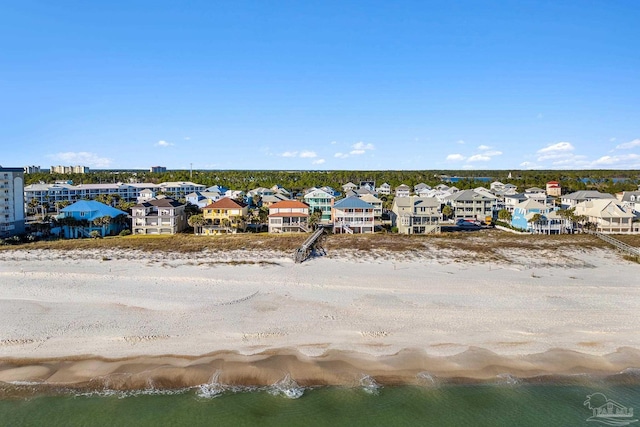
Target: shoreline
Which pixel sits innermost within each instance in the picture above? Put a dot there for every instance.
(335, 368)
(127, 320)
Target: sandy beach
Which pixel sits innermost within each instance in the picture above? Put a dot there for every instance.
(128, 319)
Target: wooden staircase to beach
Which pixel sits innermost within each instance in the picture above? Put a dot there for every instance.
(310, 245)
(617, 243)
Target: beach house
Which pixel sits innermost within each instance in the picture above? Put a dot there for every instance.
(158, 216)
(289, 216)
(533, 216)
(607, 216)
(416, 215)
(322, 200)
(402, 190)
(225, 216)
(352, 215)
(470, 204)
(84, 216)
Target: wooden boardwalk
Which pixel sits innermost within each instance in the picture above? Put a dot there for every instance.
(312, 243)
(632, 250)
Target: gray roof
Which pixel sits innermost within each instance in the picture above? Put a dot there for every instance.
(626, 196)
(405, 202)
(467, 195)
(587, 194)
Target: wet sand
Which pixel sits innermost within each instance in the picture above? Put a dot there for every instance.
(126, 319)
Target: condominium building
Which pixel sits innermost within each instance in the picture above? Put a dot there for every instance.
(69, 169)
(11, 201)
(31, 169)
(52, 193)
(157, 169)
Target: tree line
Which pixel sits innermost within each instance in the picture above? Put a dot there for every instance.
(607, 181)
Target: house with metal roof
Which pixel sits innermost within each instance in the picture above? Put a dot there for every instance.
(352, 215)
(607, 215)
(82, 217)
(571, 200)
(416, 215)
(548, 221)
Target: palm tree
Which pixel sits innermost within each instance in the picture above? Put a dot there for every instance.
(196, 221)
(535, 222)
(103, 222)
(447, 211)
(314, 218)
(33, 205)
(504, 215)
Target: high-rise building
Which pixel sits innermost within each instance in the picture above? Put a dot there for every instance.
(11, 201)
(31, 169)
(69, 169)
(157, 169)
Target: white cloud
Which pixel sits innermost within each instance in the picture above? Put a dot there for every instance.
(187, 138)
(455, 157)
(631, 161)
(82, 158)
(308, 154)
(163, 144)
(289, 154)
(318, 162)
(561, 150)
(478, 158)
(484, 147)
(560, 147)
(612, 139)
(334, 142)
(460, 141)
(629, 145)
(357, 152)
(492, 153)
(341, 155)
(362, 146)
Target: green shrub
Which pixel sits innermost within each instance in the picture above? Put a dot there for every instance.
(125, 233)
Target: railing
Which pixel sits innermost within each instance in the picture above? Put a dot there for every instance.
(617, 243)
(307, 248)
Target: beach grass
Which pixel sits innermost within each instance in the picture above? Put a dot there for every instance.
(486, 244)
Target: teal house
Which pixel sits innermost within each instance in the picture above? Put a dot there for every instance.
(84, 216)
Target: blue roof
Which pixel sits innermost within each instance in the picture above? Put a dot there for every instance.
(352, 202)
(95, 209)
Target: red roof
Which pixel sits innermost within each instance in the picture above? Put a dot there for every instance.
(553, 183)
(226, 203)
(286, 204)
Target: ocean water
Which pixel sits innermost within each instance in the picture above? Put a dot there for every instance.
(505, 403)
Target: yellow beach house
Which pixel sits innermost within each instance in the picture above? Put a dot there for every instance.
(225, 216)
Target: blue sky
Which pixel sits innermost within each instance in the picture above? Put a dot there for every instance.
(321, 84)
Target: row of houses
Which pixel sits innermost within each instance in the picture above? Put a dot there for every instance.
(356, 209)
